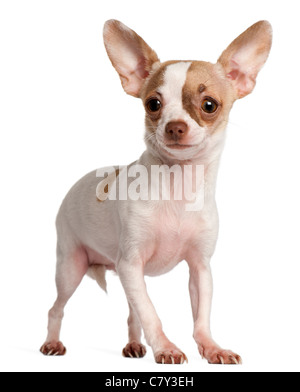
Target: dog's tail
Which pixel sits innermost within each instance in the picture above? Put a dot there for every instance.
(97, 272)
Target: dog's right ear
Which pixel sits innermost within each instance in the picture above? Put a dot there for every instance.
(132, 58)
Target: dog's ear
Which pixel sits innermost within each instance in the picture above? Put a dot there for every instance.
(130, 55)
(245, 56)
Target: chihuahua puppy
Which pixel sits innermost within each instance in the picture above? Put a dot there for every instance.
(187, 104)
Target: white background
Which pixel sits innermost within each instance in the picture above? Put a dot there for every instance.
(63, 113)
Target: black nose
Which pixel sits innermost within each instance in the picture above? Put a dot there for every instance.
(175, 130)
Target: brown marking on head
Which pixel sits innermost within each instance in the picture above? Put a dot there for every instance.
(202, 88)
(206, 81)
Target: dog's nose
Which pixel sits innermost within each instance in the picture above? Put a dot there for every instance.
(175, 130)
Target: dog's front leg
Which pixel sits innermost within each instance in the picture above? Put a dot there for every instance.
(134, 348)
(201, 288)
(132, 278)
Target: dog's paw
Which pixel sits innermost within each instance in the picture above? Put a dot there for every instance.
(134, 350)
(215, 355)
(174, 357)
(53, 348)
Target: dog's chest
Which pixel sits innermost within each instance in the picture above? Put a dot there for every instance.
(171, 234)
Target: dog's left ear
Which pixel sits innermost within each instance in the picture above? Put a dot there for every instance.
(245, 56)
(130, 55)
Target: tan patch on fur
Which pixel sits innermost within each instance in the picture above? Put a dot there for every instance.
(206, 80)
(106, 190)
(155, 80)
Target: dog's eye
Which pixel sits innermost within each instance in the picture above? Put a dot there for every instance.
(153, 105)
(209, 105)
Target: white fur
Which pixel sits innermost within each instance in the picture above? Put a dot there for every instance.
(174, 80)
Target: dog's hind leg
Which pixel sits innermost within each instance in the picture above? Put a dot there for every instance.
(69, 272)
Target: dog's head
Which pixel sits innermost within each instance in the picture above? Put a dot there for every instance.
(187, 103)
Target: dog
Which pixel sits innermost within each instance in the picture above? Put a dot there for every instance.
(187, 105)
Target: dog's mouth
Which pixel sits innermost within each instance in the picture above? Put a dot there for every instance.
(179, 146)
(176, 149)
